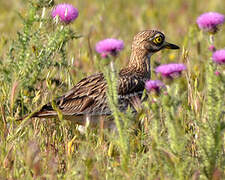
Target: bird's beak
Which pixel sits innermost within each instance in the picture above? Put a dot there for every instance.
(167, 45)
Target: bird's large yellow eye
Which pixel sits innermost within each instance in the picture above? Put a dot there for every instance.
(158, 40)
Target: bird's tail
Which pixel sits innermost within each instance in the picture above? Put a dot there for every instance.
(46, 111)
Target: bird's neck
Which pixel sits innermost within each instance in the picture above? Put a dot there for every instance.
(140, 63)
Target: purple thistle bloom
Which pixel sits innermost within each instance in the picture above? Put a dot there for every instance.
(154, 85)
(109, 47)
(217, 73)
(170, 70)
(212, 48)
(219, 56)
(66, 12)
(210, 21)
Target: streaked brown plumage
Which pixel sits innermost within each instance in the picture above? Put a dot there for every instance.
(88, 97)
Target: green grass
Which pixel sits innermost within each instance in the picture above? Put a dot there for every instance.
(177, 135)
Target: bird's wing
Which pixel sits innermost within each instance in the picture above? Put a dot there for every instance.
(86, 97)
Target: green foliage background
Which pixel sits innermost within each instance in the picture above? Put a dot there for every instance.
(178, 135)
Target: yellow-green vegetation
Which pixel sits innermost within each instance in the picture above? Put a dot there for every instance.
(176, 135)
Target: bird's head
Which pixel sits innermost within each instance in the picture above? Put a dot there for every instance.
(151, 41)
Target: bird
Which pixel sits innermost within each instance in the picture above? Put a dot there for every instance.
(88, 98)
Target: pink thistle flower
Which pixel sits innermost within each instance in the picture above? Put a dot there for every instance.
(154, 85)
(219, 56)
(212, 48)
(170, 70)
(109, 47)
(210, 21)
(217, 73)
(66, 13)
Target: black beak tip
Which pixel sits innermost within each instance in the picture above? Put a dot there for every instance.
(173, 46)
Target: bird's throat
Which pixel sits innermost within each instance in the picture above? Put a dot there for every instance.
(140, 63)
